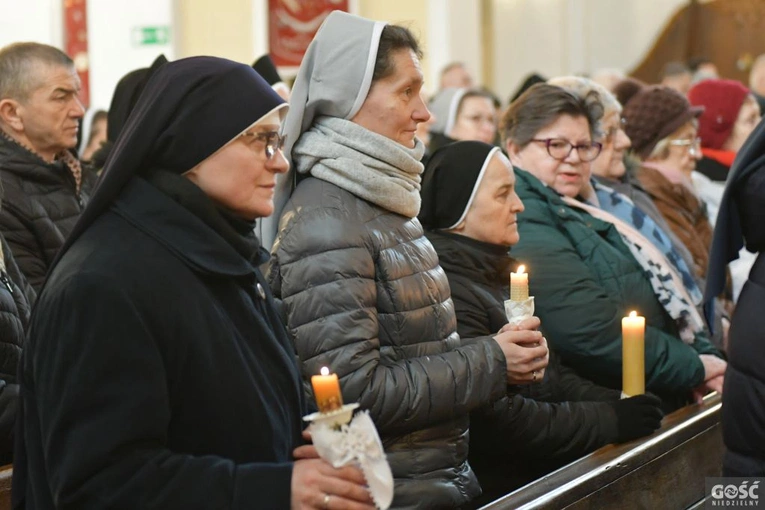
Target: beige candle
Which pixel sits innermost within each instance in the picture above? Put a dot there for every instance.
(633, 355)
(326, 389)
(519, 284)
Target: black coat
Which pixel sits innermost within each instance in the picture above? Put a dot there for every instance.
(743, 415)
(40, 207)
(157, 372)
(542, 425)
(15, 298)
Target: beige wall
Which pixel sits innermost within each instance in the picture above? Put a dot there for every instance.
(556, 37)
(222, 28)
(553, 37)
(412, 14)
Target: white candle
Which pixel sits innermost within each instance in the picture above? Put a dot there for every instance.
(519, 284)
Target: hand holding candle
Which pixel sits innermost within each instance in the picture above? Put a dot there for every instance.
(326, 390)
(633, 355)
(519, 285)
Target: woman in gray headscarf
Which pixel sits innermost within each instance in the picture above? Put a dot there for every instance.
(362, 288)
(462, 115)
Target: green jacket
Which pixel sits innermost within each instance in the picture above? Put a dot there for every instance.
(584, 280)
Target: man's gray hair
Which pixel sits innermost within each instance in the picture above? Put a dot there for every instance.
(19, 64)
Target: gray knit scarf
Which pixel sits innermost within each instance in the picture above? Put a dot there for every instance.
(371, 166)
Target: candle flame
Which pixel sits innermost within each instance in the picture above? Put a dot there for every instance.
(633, 313)
(324, 371)
(521, 269)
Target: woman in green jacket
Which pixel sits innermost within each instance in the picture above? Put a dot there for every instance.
(587, 269)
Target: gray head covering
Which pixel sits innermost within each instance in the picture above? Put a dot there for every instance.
(444, 106)
(333, 80)
(335, 75)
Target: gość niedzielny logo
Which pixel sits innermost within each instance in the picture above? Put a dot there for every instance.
(736, 495)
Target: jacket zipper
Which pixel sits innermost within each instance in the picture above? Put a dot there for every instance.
(6, 281)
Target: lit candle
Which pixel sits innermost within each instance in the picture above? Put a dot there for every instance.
(633, 355)
(519, 285)
(326, 389)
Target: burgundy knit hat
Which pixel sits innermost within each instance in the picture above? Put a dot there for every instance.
(722, 100)
(652, 114)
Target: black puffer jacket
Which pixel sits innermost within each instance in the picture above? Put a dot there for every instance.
(40, 207)
(743, 414)
(15, 298)
(543, 425)
(364, 295)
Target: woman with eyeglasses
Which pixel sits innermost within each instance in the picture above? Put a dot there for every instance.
(619, 193)
(588, 269)
(462, 115)
(158, 373)
(730, 115)
(663, 127)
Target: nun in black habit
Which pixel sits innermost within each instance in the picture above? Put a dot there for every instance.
(157, 372)
(469, 212)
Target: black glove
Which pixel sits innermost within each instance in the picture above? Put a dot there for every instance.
(637, 416)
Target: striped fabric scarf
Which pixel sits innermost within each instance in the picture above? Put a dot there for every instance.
(625, 209)
(666, 282)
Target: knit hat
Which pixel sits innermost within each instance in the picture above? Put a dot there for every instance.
(625, 89)
(450, 182)
(653, 113)
(722, 100)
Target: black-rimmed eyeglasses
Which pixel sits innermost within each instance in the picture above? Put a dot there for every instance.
(560, 149)
(272, 141)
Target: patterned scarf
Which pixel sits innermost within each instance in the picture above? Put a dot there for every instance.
(625, 209)
(665, 281)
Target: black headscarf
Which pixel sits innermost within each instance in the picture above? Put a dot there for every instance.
(528, 82)
(266, 68)
(189, 109)
(125, 97)
(450, 182)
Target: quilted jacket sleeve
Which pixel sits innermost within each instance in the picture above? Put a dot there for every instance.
(324, 269)
(26, 250)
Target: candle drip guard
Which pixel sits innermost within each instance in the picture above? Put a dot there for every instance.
(341, 438)
(518, 311)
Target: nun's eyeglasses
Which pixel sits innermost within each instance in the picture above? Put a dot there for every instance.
(272, 141)
(560, 149)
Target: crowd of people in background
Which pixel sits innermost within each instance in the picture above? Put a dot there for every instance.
(175, 269)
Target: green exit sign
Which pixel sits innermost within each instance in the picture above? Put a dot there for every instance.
(148, 36)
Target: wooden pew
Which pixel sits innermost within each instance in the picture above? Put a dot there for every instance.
(664, 470)
(6, 474)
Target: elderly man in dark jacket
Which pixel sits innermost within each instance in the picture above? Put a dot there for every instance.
(469, 211)
(46, 187)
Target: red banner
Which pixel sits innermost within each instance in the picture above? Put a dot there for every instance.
(76, 42)
(292, 25)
